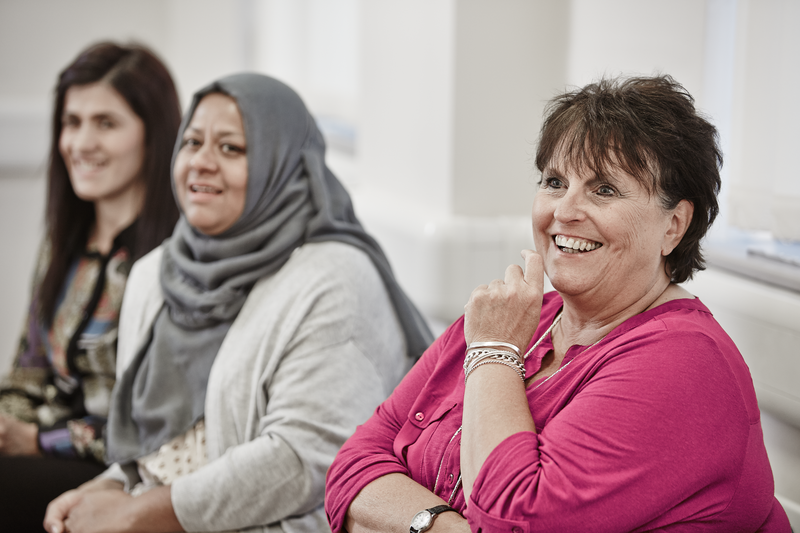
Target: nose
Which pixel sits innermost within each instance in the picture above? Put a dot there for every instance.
(203, 159)
(571, 206)
(84, 138)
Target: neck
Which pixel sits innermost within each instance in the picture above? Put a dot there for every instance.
(585, 321)
(113, 215)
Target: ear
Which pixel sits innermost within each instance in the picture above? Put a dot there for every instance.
(679, 222)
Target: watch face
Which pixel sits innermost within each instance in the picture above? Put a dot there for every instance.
(421, 521)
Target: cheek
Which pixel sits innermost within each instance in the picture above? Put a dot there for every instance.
(238, 186)
(131, 148)
(63, 145)
(180, 173)
(540, 217)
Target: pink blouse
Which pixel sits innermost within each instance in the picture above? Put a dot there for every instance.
(656, 426)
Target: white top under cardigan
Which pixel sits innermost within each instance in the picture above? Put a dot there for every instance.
(316, 347)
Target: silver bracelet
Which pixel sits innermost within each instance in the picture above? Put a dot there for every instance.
(473, 345)
(484, 356)
(487, 361)
(479, 354)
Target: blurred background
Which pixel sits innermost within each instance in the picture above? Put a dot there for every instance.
(431, 110)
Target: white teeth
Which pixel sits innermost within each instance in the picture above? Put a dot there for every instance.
(573, 245)
(87, 164)
(203, 188)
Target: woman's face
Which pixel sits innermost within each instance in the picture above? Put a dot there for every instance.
(102, 143)
(602, 236)
(211, 166)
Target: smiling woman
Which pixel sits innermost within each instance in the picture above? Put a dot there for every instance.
(116, 113)
(211, 166)
(631, 409)
(102, 143)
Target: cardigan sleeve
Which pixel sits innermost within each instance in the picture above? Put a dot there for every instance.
(372, 451)
(658, 422)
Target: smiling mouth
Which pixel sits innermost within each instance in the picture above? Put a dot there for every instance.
(204, 188)
(82, 164)
(572, 245)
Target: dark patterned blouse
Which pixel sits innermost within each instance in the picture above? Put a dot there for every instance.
(63, 375)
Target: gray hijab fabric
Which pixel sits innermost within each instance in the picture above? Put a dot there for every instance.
(292, 198)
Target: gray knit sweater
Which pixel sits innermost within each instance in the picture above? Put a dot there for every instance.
(314, 350)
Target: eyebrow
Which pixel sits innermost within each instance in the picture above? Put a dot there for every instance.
(93, 116)
(219, 134)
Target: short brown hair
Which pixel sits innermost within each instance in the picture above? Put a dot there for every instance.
(648, 127)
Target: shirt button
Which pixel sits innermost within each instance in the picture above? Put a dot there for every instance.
(419, 416)
(450, 478)
(516, 529)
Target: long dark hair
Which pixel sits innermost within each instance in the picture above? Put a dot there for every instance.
(146, 85)
(650, 128)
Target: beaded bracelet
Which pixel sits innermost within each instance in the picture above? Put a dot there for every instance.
(473, 345)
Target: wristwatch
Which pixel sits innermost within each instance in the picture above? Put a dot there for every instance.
(423, 520)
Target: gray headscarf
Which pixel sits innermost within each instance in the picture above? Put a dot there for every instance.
(292, 198)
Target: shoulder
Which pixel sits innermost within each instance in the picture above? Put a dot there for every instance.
(329, 278)
(680, 346)
(331, 258)
(148, 266)
(327, 269)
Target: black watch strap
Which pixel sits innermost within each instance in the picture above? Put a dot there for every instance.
(431, 512)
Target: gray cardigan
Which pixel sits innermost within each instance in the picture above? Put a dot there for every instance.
(314, 350)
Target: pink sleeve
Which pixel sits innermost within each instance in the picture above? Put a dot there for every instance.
(658, 421)
(376, 448)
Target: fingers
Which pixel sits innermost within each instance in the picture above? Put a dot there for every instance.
(534, 269)
(58, 510)
(513, 274)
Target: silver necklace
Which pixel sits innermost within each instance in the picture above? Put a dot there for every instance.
(562, 367)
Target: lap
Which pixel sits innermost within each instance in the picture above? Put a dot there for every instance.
(28, 484)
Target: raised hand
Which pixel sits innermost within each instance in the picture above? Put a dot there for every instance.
(507, 310)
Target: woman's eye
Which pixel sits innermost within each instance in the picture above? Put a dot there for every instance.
(69, 122)
(552, 183)
(106, 124)
(232, 149)
(191, 142)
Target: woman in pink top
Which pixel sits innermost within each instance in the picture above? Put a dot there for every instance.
(633, 410)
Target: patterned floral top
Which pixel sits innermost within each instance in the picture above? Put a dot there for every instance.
(63, 375)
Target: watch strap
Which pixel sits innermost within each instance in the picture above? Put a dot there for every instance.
(433, 512)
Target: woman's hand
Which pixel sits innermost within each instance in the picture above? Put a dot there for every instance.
(102, 506)
(18, 437)
(507, 310)
(59, 509)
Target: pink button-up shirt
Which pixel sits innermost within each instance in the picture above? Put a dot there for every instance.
(656, 426)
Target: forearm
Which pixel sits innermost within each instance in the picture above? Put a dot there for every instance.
(388, 504)
(495, 407)
(152, 512)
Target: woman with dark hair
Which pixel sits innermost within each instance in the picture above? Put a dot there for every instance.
(628, 408)
(254, 340)
(109, 202)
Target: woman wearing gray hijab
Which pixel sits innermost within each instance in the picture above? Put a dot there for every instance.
(254, 340)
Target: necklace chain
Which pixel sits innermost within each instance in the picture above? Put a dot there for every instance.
(562, 367)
